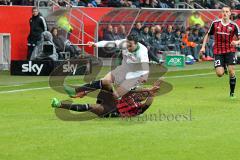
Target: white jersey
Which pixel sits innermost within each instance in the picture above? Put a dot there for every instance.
(134, 65)
(138, 56)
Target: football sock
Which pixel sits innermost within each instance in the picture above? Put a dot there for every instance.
(225, 70)
(232, 83)
(94, 85)
(77, 107)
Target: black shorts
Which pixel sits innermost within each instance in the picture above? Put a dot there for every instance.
(107, 100)
(222, 60)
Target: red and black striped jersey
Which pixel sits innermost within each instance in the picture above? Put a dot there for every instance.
(223, 36)
(128, 107)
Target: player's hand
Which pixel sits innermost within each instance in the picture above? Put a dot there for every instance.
(90, 5)
(153, 90)
(234, 43)
(91, 44)
(158, 82)
(202, 51)
(156, 87)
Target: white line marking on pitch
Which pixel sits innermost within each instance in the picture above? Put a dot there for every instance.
(191, 75)
(14, 85)
(23, 90)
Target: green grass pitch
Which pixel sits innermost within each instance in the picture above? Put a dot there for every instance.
(29, 128)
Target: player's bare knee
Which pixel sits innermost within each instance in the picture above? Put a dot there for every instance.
(106, 82)
(220, 74)
(97, 109)
(231, 73)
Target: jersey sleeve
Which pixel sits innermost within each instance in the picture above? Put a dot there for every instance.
(118, 43)
(44, 24)
(237, 30)
(211, 29)
(143, 55)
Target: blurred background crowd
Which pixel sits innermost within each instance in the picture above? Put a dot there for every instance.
(158, 38)
(211, 4)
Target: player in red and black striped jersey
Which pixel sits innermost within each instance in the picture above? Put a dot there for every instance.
(225, 32)
(133, 103)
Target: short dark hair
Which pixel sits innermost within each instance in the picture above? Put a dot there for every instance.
(177, 30)
(34, 8)
(227, 7)
(194, 30)
(133, 37)
(54, 28)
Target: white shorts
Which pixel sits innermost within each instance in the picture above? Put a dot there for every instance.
(129, 77)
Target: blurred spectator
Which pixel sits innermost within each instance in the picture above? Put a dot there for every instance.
(158, 28)
(209, 49)
(145, 3)
(116, 35)
(195, 38)
(200, 29)
(99, 3)
(156, 47)
(196, 18)
(5, 2)
(74, 2)
(164, 4)
(108, 34)
(168, 38)
(28, 2)
(145, 37)
(238, 20)
(62, 44)
(17, 2)
(217, 6)
(87, 3)
(122, 32)
(161, 4)
(153, 3)
(170, 3)
(157, 42)
(114, 3)
(45, 49)
(127, 3)
(63, 3)
(136, 3)
(233, 5)
(184, 45)
(208, 4)
(137, 29)
(237, 6)
(234, 16)
(37, 26)
(63, 23)
(57, 40)
(178, 40)
(189, 47)
(152, 32)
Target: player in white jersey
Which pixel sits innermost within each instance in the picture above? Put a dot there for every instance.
(133, 70)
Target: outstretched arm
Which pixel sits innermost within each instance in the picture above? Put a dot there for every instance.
(235, 43)
(211, 31)
(117, 43)
(152, 93)
(203, 49)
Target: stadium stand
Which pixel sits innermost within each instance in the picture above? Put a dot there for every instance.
(235, 4)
